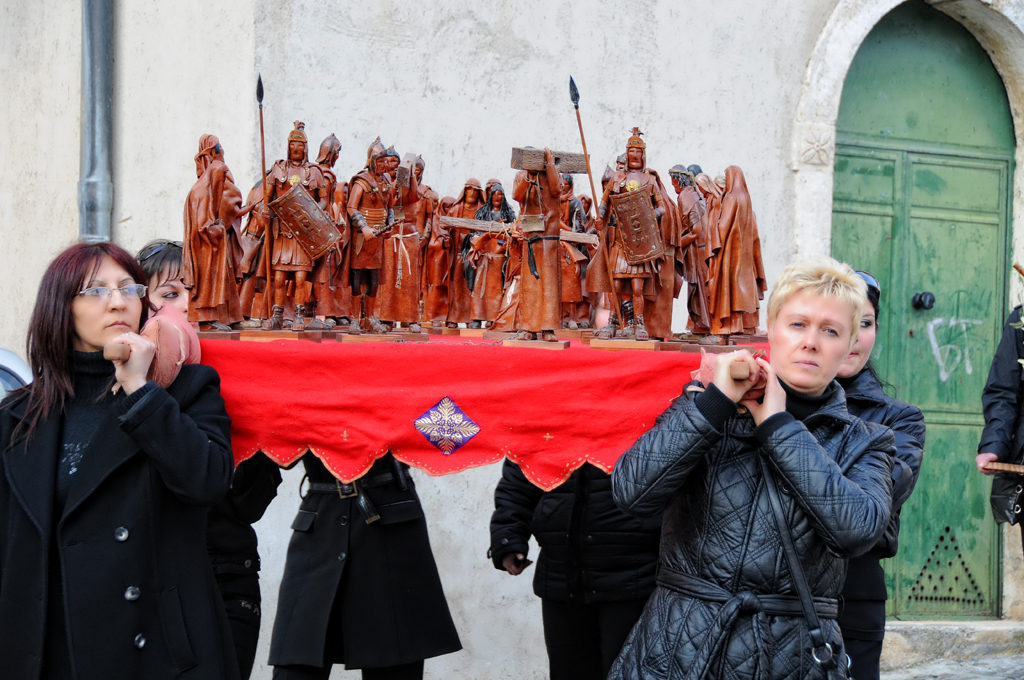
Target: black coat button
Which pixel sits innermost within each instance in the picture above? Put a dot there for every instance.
(504, 541)
(140, 640)
(342, 557)
(121, 534)
(344, 520)
(248, 563)
(131, 594)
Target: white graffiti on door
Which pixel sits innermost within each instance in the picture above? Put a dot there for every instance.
(942, 353)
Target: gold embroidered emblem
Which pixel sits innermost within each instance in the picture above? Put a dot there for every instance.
(293, 180)
(632, 185)
(446, 426)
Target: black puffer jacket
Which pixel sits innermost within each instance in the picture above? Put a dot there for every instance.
(719, 538)
(866, 400)
(590, 550)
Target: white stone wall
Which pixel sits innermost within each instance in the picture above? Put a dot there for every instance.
(729, 82)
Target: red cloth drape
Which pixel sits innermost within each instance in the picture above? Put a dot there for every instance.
(443, 406)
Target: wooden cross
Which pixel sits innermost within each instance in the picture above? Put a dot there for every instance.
(503, 227)
(533, 159)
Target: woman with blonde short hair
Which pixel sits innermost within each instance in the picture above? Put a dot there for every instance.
(768, 485)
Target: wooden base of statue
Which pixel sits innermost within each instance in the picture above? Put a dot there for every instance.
(472, 332)
(267, 336)
(536, 344)
(577, 334)
(702, 339)
(408, 335)
(715, 349)
(496, 335)
(370, 337)
(747, 339)
(672, 345)
(616, 345)
(434, 330)
(219, 335)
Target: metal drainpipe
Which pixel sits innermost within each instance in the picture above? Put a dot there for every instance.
(95, 188)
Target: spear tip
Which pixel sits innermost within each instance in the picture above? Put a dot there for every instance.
(574, 93)
(259, 88)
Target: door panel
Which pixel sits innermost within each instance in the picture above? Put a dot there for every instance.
(960, 187)
(949, 347)
(942, 230)
(945, 564)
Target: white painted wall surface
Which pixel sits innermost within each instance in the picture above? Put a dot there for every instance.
(728, 82)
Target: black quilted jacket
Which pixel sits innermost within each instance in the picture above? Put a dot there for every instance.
(720, 541)
(590, 551)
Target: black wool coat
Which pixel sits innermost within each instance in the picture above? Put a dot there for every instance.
(722, 562)
(590, 551)
(1003, 397)
(140, 596)
(388, 605)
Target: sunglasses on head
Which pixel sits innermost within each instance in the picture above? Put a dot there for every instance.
(870, 280)
(158, 248)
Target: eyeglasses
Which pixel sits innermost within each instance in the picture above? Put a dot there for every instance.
(135, 291)
(870, 280)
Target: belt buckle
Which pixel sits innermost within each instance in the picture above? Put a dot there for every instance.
(341, 490)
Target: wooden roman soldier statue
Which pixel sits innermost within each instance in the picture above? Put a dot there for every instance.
(436, 265)
(333, 296)
(289, 265)
(460, 304)
(399, 291)
(637, 244)
(212, 252)
(540, 300)
(693, 250)
(370, 201)
(485, 264)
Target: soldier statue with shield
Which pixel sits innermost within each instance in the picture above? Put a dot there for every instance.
(637, 248)
(300, 230)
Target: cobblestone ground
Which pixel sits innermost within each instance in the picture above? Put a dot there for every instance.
(999, 667)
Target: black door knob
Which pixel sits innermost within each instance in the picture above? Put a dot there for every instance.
(923, 301)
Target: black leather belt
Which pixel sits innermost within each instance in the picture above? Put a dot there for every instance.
(530, 259)
(355, 489)
(348, 490)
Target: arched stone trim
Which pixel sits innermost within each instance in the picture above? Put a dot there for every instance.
(998, 26)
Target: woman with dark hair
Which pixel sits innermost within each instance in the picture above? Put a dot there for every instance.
(230, 539)
(104, 493)
(862, 613)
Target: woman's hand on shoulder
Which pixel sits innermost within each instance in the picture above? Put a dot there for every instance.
(774, 401)
(723, 380)
(134, 373)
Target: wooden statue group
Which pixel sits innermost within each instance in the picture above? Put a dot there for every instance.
(383, 251)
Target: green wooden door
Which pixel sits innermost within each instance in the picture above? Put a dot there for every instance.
(922, 180)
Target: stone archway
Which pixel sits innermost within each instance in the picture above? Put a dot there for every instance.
(998, 25)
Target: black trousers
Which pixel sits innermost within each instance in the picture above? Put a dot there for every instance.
(864, 657)
(409, 671)
(584, 639)
(241, 595)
